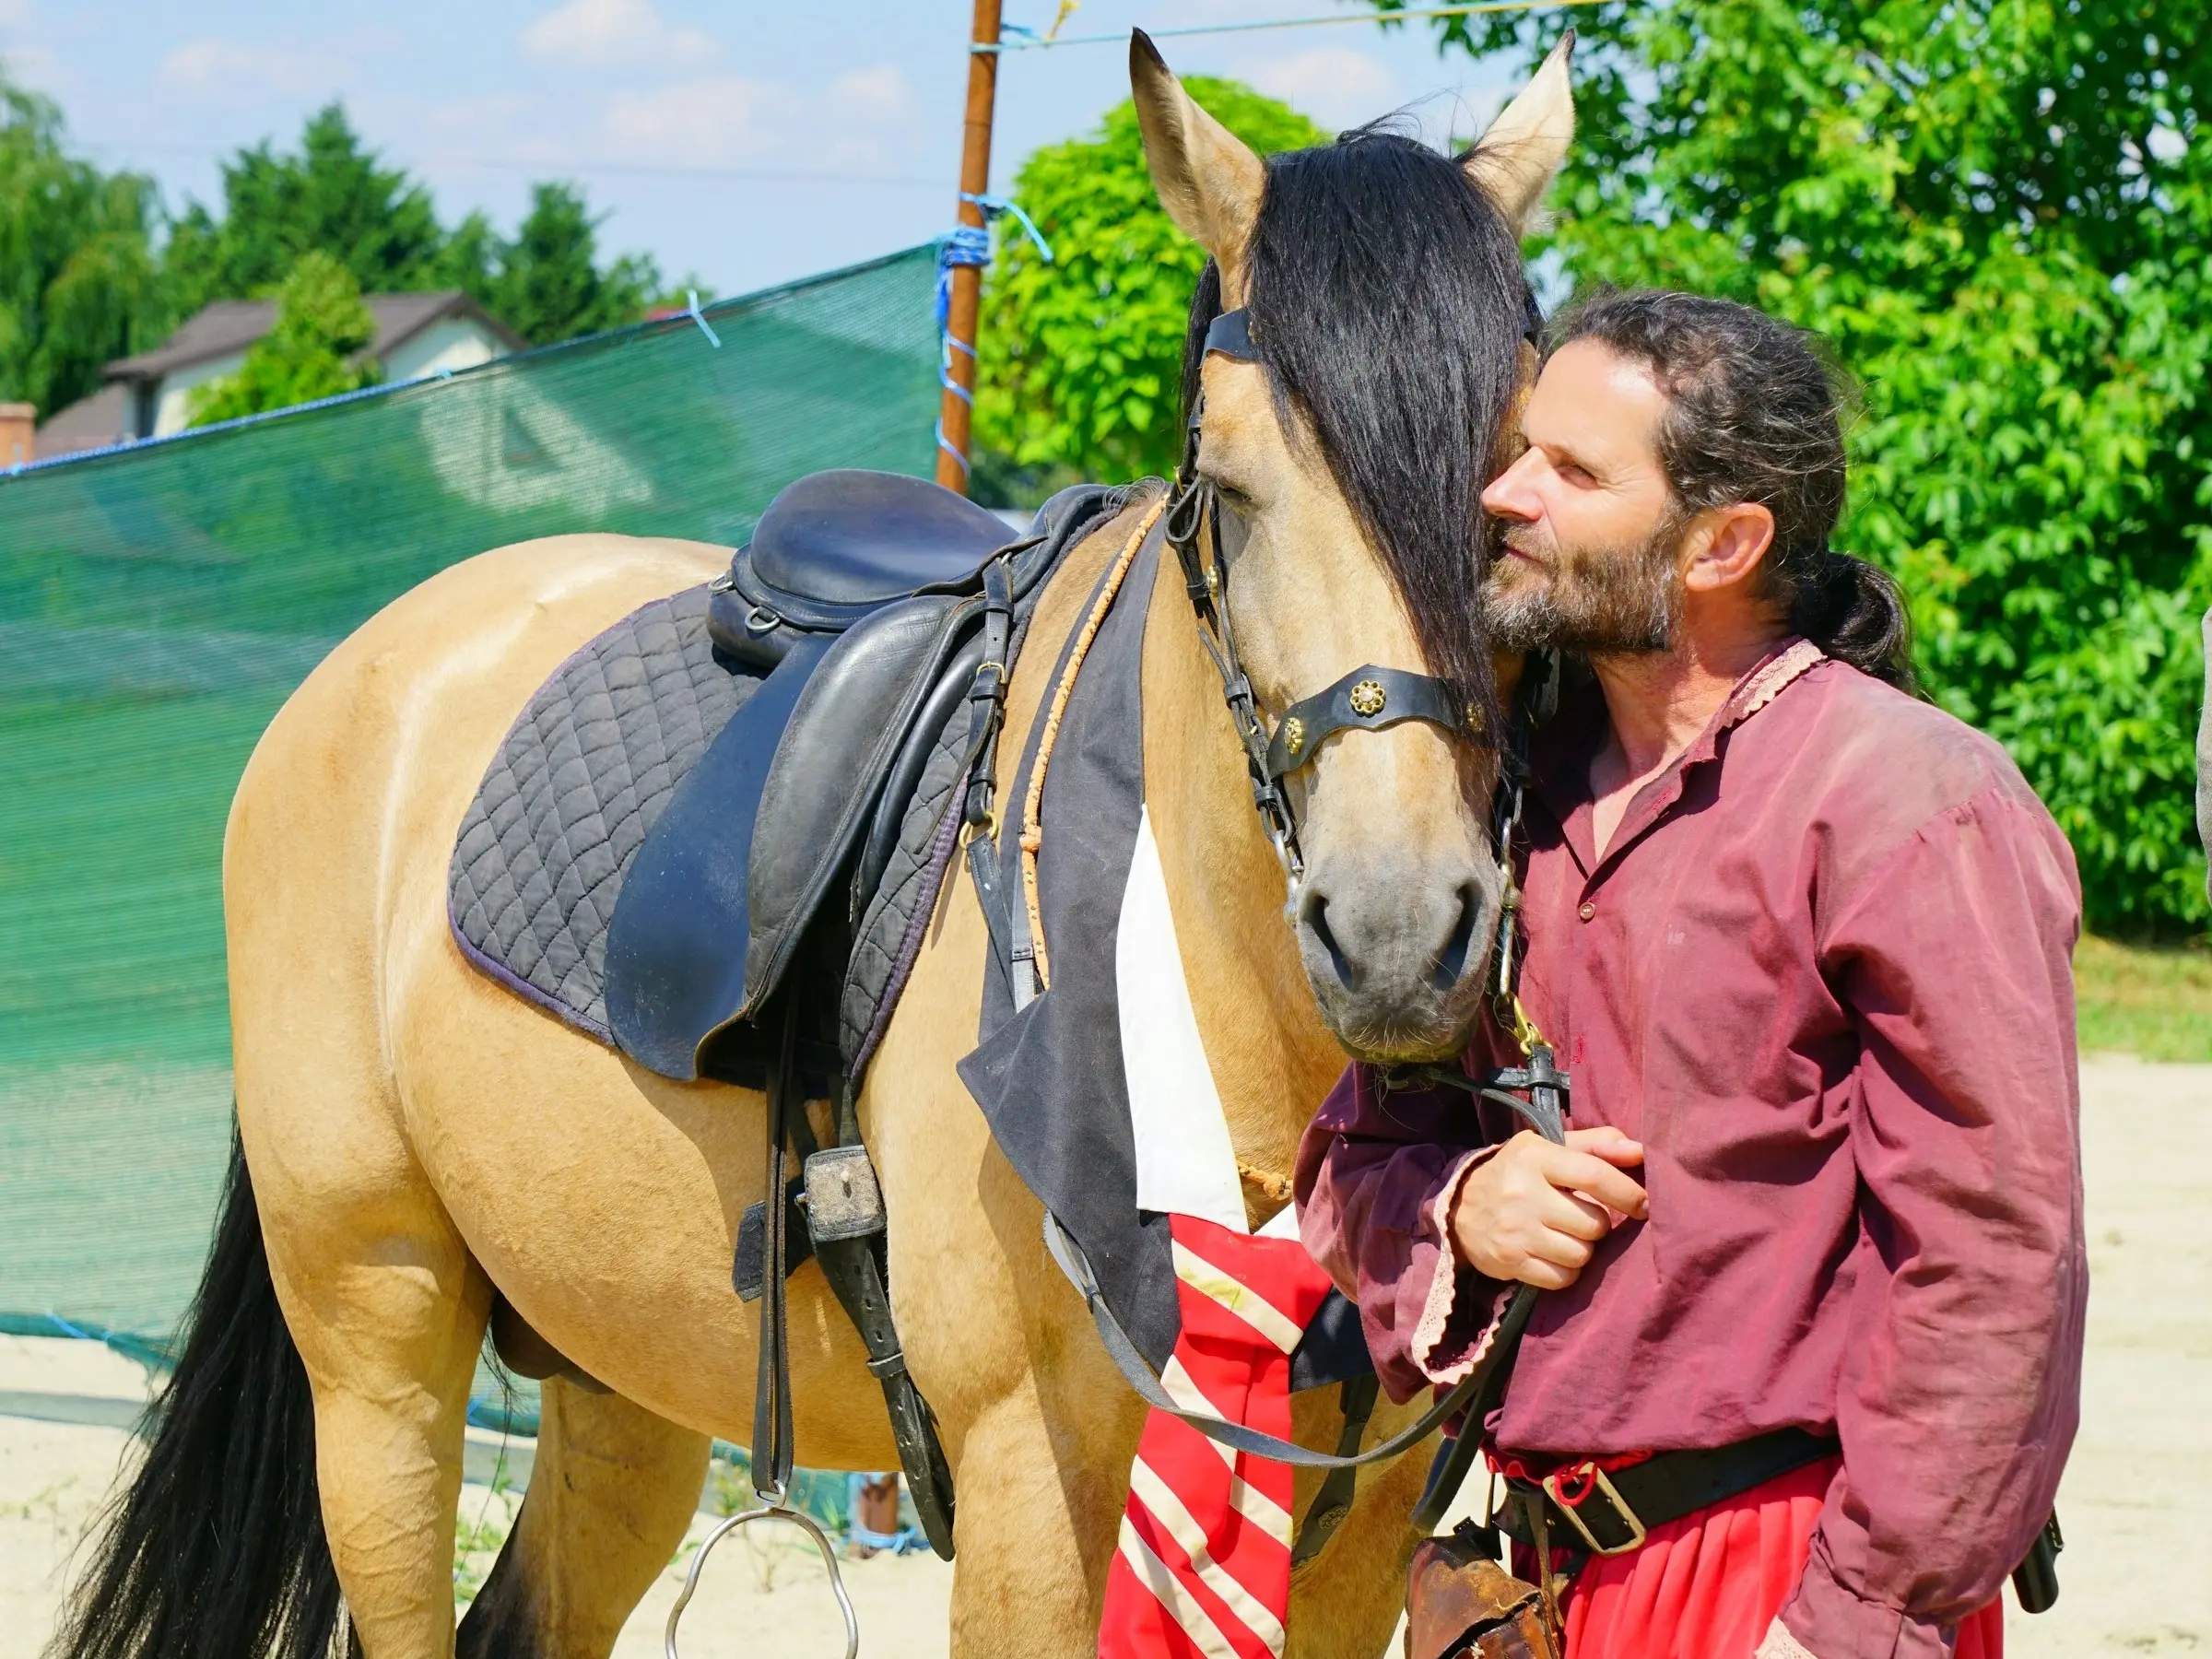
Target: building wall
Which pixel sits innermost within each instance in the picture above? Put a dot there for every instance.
(172, 403)
(454, 344)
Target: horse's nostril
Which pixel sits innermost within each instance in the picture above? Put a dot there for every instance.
(1316, 918)
(1452, 962)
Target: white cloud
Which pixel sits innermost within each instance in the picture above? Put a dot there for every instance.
(229, 66)
(873, 95)
(858, 124)
(14, 14)
(481, 112)
(1337, 86)
(595, 33)
(716, 119)
(30, 66)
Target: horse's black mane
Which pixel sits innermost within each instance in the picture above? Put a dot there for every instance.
(1388, 303)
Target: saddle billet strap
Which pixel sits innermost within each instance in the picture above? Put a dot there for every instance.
(993, 858)
(986, 715)
(987, 698)
(1368, 698)
(771, 1448)
(846, 1221)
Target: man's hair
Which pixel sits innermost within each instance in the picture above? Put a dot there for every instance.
(1754, 414)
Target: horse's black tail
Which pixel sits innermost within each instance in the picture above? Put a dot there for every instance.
(216, 1550)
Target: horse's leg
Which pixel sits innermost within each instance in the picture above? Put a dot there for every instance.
(1023, 1589)
(388, 1313)
(611, 1493)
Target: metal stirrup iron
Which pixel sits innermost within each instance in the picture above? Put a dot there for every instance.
(766, 1512)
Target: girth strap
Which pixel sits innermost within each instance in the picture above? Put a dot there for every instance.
(771, 1449)
(845, 1217)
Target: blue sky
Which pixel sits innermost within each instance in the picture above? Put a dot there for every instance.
(746, 143)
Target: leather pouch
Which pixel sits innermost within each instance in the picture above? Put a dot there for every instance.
(1462, 1604)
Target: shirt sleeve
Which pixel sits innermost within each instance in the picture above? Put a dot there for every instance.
(1376, 1183)
(1960, 1389)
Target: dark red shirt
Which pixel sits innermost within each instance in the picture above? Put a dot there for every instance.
(1823, 974)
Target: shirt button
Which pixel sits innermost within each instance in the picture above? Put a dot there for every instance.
(1587, 911)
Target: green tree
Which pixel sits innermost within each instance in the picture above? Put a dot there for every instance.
(1081, 360)
(315, 350)
(548, 285)
(1999, 212)
(79, 285)
(332, 199)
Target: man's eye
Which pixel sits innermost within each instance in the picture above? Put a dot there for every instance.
(1578, 475)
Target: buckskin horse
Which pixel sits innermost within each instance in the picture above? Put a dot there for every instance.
(423, 1146)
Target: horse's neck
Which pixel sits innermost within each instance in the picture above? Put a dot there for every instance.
(1272, 1058)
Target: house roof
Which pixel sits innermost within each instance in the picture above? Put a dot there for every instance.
(222, 327)
(99, 421)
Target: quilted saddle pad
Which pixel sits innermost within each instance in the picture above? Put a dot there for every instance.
(581, 776)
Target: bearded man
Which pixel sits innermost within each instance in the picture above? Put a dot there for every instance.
(1813, 1253)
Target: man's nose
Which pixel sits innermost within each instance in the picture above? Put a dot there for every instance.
(1512, 494)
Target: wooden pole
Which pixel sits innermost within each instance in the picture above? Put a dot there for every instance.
(968, 281)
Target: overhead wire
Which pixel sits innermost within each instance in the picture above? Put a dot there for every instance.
(1029, 43)
(553, 166)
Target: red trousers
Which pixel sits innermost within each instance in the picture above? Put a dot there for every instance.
(1708, 1585)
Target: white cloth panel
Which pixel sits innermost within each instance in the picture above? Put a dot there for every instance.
(1185, 1162)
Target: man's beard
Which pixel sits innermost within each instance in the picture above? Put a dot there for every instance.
(1592, 600)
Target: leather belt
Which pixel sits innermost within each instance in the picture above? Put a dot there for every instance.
(1609, 1511)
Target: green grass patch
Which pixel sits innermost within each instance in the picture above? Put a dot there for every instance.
(2155, 1001)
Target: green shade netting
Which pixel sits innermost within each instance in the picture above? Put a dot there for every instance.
(159, 602)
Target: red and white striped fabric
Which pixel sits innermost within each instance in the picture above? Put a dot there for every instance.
(1204, 1567)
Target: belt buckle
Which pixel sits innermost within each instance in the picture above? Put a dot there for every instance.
(1572, 1508)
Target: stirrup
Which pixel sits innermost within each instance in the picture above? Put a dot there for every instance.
(767, 1511)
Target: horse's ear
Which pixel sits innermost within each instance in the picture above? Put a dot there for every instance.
(1519, 157)
(1208, 179)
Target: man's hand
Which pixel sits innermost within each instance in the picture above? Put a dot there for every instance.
(1534, 1210)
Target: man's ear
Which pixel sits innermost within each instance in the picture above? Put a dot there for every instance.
(1727, 545)
(1208, 179)
(1522, 153)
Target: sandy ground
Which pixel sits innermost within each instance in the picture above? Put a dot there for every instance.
(2136, 1573)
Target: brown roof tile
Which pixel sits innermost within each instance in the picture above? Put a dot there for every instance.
(224, 326)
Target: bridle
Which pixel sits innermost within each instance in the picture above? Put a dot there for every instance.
(1368, 698)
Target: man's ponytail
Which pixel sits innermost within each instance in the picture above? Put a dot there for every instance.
(1855, 612)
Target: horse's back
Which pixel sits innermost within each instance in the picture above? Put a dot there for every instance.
(447, 665)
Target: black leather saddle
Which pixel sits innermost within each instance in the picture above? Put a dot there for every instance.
(837, 547)
(862, 595)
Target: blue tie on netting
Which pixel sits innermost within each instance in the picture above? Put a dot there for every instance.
(969, 245)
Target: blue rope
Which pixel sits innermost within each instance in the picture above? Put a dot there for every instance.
(969, 245)
(693, 312)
